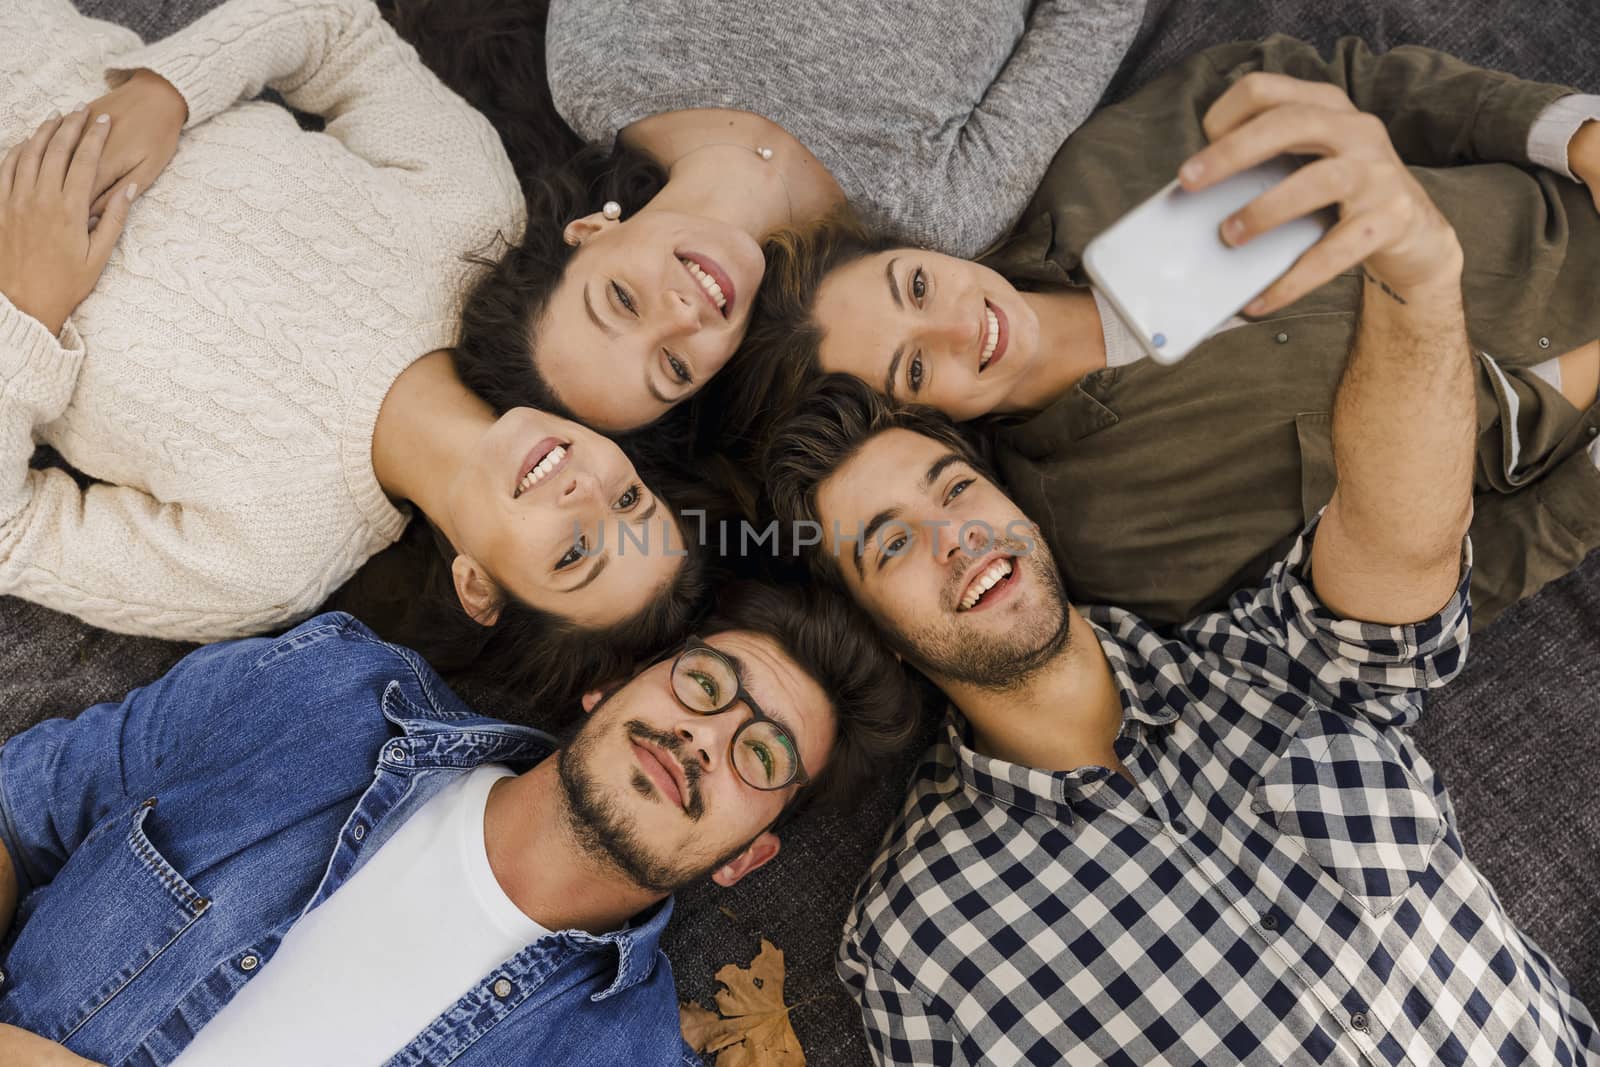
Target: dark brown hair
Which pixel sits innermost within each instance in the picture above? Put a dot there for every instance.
(779, 358)
(877, 708)
(491, 53)
(832, 422)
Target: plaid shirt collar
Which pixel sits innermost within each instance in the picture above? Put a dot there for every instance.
(1053, 793)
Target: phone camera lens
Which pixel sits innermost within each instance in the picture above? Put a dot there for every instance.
(1159, 339)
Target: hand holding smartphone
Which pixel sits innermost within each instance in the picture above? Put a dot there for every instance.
(1244, 218)
(1166, 270)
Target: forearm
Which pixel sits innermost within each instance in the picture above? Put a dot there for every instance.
(1049, 86)
(238, 49)
(1439, 110)
(1404, 424)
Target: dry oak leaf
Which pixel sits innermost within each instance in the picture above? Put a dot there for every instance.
(753, 1029)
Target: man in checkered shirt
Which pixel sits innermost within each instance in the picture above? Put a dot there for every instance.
(1216, 845)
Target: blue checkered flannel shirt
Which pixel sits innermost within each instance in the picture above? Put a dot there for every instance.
(1285, 885)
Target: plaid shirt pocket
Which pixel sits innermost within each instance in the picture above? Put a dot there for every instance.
(1341, 789)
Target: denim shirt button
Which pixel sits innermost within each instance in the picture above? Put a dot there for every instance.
(397, 754)
(249, 963)
(359, 832)
(1544, 342)
(502, 988)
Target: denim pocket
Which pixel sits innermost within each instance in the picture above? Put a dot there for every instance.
(1342, 791)
(112, 910)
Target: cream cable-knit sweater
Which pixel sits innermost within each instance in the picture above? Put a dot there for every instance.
(223, 380)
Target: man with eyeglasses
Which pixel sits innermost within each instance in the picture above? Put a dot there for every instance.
(307, 850)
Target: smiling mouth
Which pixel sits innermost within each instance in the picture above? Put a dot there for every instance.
(995, 336)
(713, 281)
(663, 772)
(989, 584)
(543, 460)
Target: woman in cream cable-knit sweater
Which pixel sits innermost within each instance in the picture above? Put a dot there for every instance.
(273, 290)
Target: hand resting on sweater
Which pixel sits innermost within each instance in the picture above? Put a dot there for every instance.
(147, 117)
(49, 261)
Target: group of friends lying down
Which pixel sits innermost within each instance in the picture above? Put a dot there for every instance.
(1181, 618)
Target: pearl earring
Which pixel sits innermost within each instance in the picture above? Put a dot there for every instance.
(612, 210)
(764, 153)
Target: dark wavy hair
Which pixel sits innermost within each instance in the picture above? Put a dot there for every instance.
(877, 707)
(779, 359)
(831, 423)
(491, 54)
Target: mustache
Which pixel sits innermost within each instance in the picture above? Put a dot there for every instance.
(695, 803)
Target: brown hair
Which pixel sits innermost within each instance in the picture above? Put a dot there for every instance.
(876, 707)
(832, 422)
(779, 357)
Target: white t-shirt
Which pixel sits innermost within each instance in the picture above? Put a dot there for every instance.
(395, 946)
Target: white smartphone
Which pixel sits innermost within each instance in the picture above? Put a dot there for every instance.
(1164, 268)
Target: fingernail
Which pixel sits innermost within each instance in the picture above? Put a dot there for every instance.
(53, 115)
(103, 119)
(133, 189)
(1191, 171)
(1232, 230)
(1256, 306)
(79, 108)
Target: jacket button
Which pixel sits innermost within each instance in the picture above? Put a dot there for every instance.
(502, 988)
(1359, 1020)
(249, 963)
(359, 832)
(1282, 338)
(397, 754)
(1544, 342)
(1269, 921)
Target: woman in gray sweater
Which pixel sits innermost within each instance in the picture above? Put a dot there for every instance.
(713, 127)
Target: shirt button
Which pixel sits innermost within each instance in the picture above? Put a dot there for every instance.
(397, 754)
(1180, 827)
(1282, 338)
(249, 963)
(1544, 342)
(1593, 431)
(502, 988)
(359, 832)
(1269, 921)
(1359, 1020)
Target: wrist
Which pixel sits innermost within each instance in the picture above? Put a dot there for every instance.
(1583, 153)
(160, 89)
(51, 318)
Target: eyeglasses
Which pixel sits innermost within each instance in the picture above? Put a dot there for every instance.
(763, 753)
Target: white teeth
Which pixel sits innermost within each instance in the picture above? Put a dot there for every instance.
(542, 468)
(992, 575)
(991, 338)
(706, 282)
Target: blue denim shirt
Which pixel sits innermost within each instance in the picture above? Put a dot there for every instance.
(165, 844)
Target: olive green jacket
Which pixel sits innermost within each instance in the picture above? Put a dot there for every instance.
(1162, 489)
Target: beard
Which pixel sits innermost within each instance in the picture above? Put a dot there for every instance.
(601, 823)
(1002, 662)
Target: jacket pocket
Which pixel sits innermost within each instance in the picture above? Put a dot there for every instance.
(1342, 791)
(1314, 431)
(110, 912)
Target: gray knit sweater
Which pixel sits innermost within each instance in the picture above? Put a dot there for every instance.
(937, 117)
